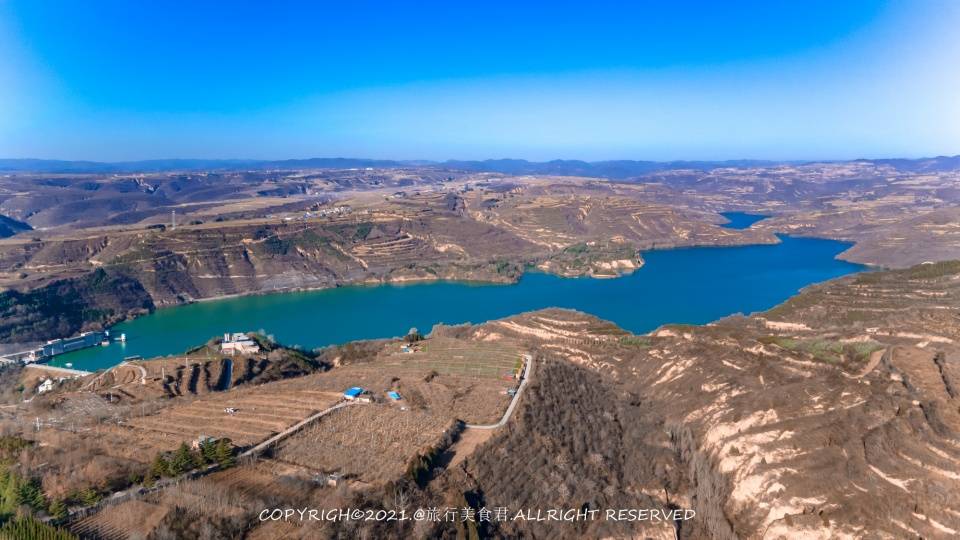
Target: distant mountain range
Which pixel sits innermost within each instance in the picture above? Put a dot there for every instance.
(603, 169)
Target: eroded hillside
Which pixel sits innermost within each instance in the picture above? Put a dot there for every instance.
(834, 415)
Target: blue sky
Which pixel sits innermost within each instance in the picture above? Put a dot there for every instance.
(472, 80)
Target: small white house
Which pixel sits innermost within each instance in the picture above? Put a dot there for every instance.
(45, 386)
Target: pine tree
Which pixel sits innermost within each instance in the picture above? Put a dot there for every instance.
(89, 496)
(158, 468)
(32, 495)
(208, 450)
(224, 453)
(10, 493)
(182, 460)
(58, 509)
(39, 500)
(28, 527)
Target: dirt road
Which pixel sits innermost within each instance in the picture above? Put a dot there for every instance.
(525, 377)
(296, 427)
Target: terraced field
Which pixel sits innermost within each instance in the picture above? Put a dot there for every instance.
(489, 360)
(130, 519)
(258, 414)
(465, 379)
(912, 306)
(394, 250)
(372, 444)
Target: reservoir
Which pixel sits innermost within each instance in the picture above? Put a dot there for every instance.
(688, 285)
(741, 220)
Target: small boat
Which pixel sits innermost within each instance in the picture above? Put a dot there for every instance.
(69, 364)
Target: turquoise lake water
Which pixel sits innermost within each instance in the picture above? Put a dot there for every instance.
(690, 285)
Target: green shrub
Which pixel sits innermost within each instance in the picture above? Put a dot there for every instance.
(28, 528)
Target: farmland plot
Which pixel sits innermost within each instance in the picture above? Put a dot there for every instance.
(257, 413)
(373, 444)
(449, 356)
(130, 519)
(471, 399)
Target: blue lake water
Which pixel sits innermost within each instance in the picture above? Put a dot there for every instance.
(741, 220)
(690, 285)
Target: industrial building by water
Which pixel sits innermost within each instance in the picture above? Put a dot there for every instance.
(56, 347)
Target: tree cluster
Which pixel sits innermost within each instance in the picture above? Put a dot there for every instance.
(185, 459)
(16, 491)
(28, 527)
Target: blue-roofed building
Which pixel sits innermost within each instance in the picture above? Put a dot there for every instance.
(353, 392)
(394, 395)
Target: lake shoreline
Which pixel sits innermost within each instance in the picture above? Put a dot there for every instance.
(691, 285)
(526, 268)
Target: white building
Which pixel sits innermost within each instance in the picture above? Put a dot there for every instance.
(238, 343)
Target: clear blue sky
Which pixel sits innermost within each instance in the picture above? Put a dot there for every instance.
(437, 80)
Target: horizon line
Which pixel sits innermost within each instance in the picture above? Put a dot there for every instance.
(481, 160)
